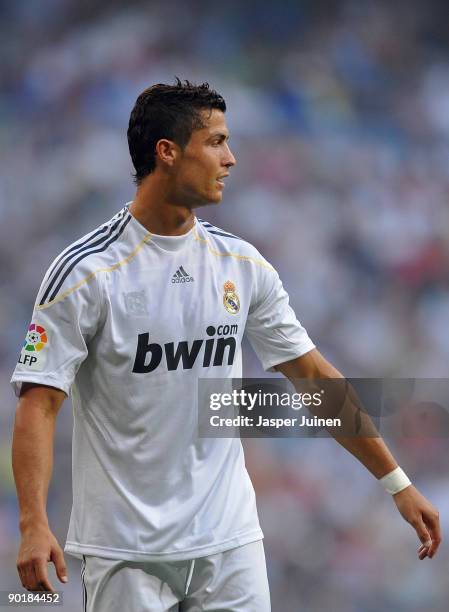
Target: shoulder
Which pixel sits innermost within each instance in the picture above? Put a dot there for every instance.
(222, 242)
(79, 263)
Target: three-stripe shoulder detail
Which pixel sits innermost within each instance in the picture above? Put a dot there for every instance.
(62, 267)
(216, 230)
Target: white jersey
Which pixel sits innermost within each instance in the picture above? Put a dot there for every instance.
(128, 321)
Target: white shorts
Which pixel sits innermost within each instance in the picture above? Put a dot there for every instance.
(231, 581)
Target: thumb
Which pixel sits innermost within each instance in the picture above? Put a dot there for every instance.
(423, 534)
(58, 559)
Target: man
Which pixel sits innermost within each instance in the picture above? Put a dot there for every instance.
(128, 318)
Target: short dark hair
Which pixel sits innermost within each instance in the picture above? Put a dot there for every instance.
(167, 111)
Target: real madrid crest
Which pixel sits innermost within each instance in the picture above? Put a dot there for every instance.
(230, 298)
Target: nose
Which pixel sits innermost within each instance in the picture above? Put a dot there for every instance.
(229, 158)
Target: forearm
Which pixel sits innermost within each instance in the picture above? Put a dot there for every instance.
(358, 434)
(32, 457)
(372, 452)
(363, 442)
(361, 437)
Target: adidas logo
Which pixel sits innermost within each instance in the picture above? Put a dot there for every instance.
(181, 276)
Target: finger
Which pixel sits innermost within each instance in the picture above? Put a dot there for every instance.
(57, 556)
(433, 525)
(41, 570)
(21, 575)
(25, 576)
(29, 580)
(422, 552)
(422, 547)
(422, 533)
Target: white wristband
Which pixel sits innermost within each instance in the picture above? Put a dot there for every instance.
(395, 481)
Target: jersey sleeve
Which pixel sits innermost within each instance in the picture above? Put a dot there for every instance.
(272, 328)
(56, 342)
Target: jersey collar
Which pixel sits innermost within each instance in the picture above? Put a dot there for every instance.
(166, 243)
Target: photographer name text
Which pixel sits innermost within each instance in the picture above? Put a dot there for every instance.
(260, 421)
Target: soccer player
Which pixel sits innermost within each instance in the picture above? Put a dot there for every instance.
(127, 319)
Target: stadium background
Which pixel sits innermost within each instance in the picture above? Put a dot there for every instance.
(339, 116)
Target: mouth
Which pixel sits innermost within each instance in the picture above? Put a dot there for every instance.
(220, 180)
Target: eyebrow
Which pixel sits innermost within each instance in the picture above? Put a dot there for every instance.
(221, 135)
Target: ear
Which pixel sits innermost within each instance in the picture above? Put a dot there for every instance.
(167, 151)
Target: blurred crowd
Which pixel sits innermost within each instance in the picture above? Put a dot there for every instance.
(339, 119)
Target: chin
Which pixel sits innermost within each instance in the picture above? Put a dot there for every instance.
(217, 197)
(210, 199)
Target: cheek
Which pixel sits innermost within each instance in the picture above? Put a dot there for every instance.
(201, 171)
(206, 172)
(197, 179)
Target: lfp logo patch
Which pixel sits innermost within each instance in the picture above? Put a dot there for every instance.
(32, 354)
(36, 338)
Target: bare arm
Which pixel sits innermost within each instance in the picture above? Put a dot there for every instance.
(375, 456)
(32, 460)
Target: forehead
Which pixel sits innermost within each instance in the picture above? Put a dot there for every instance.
(214, 122)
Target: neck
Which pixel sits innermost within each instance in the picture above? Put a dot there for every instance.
(156, 211)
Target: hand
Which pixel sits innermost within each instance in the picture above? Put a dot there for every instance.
(421, 515)
(37, 548)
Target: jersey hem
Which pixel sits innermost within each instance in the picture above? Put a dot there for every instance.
(78, 550)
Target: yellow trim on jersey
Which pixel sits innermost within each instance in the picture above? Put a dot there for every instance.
(259, 262)
(131, 256)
